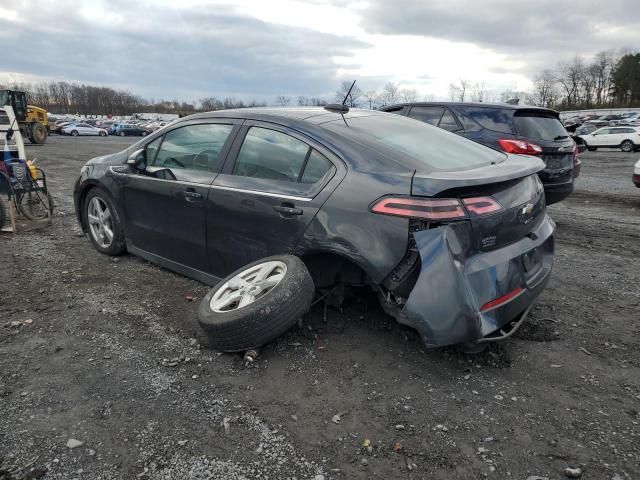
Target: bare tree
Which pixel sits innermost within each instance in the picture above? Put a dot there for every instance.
(544, 85)
(372, 98)
(390, 94)
(430, 97)
(409, 95)
(478, 93)
(569, 76)
(458, 91)
(603, 64)
(283, 100)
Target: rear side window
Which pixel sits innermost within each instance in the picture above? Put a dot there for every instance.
(539, 125)
(273, 155)
(496, 119)
(431, 147)
(430, 115)
(194, 147)
(448, 122)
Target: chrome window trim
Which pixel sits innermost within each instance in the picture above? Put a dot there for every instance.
(264, 194)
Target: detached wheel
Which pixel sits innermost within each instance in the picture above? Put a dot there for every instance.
(256, 304)
(627, 146)
(103, 222)
(38, 134)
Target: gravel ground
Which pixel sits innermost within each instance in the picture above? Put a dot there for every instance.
(104, 373)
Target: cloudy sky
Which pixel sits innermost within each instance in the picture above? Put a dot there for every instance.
(257, 49)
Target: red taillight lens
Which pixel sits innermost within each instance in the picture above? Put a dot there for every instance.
(424, 208)
(481, 205)
(511, 145)
(498, 302)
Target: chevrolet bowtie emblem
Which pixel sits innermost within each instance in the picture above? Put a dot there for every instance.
(527, 209)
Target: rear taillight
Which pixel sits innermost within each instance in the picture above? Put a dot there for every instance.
(477, 206)
(511, 145)
(436, 209)
(424, 208)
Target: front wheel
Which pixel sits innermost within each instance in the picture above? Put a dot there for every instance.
(103, 134)
(38, 134)
(103, 223)
(121, 134)
(627, 146)
(74, 133)
(144, 134)
(256, 303)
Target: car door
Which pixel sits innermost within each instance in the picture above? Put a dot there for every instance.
(271, 187)
(165, 205)
(601, 137)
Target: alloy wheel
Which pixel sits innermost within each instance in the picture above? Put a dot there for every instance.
(248, 286)
(100, 222)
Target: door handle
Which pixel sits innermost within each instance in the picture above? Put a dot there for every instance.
(287, 209)
(190, 195)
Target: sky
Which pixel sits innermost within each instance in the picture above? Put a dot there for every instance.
(258, 49)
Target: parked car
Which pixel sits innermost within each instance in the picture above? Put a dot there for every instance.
(58, 126)
(129, 130)
(636, 174)
(585, 129)
(268, 203)
(510, 128)
(76, 129)
(626, 139)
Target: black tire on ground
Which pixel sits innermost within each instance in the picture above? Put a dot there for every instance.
(267, 317)
(627, 146)
(121, 134)
(3, 210)
(103, 134)
(74, 133)
(38, 133)
(144, 134)
(117, 246)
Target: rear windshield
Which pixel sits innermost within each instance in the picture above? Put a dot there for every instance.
(537, 125)
(431, 146)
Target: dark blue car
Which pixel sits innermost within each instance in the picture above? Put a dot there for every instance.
(509, 128)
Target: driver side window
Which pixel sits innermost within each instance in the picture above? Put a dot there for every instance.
(194, 147)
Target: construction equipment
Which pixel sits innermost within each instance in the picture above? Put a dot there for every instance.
(33, 121)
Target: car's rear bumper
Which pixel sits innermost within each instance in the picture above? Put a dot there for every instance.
(556, 192)
(463, 300)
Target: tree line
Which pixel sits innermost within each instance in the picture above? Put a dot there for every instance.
(609, 80)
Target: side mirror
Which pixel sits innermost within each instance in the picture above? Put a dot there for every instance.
(138, 160)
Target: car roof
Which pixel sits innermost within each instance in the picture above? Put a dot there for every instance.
(503, 106)
(316, 115)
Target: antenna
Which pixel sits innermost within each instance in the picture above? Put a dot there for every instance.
(348, 93)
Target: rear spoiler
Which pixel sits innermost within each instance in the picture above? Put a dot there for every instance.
(515, 166)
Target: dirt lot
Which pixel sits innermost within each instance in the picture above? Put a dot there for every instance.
(108, 352)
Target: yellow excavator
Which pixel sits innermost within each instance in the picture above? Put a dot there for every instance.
(33, 121)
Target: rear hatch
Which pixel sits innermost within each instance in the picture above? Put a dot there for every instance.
(544, 129)
(503, 203)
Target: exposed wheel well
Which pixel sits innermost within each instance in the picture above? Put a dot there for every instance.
(328, 269)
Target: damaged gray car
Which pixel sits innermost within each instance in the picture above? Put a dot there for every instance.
(271, 206)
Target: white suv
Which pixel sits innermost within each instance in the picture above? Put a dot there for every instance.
(625, 138)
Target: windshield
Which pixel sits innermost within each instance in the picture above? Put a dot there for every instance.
(431, 146)
(536, 125)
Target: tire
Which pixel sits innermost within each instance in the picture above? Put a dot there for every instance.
(35, 205)
(38, 133)
(592, 149)
(102, 134)
(121, 134)
(269, 315)
(74, 133)
(627, 146)
(144, 134)
(116, 246)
